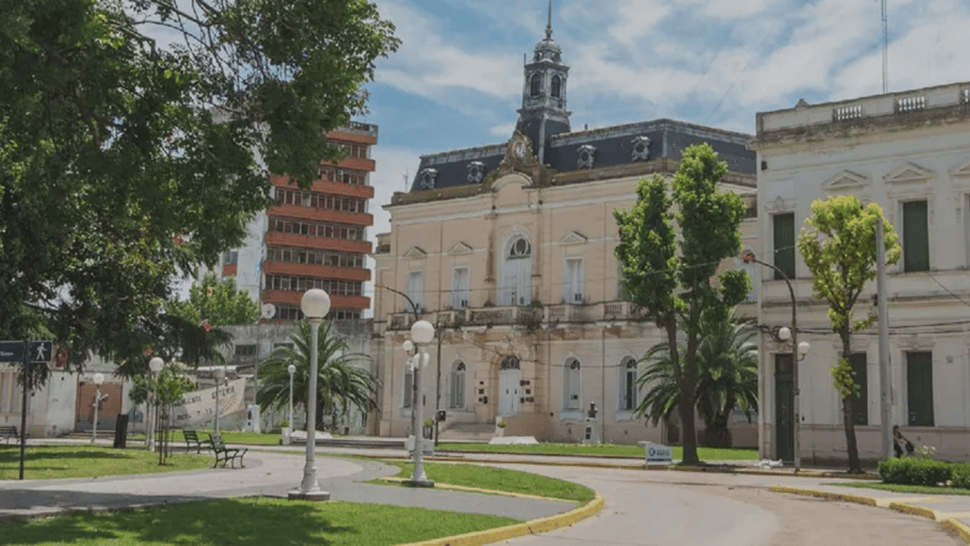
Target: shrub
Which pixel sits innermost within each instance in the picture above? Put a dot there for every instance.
(960, 474)
(913, 471)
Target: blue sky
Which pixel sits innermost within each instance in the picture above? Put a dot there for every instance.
(457, 79)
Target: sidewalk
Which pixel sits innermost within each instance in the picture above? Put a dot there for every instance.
(950, 511)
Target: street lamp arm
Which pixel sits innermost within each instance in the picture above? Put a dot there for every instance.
(414, 306)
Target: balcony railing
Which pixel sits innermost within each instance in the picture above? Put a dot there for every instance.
(527, 316)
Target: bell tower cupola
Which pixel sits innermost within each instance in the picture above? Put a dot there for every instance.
(543, 113)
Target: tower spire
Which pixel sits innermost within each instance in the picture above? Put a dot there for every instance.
(549, 24)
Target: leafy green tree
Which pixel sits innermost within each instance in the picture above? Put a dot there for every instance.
(217, 302)
(136, 139)
(727, 364)
(839, 248)
(341, 382)
(674, 278)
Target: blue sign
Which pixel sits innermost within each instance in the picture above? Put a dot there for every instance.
(37, 351)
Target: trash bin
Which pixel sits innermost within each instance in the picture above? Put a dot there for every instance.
(121, 431)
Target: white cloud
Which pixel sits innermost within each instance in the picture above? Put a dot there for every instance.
(429, 65)
(503, 131)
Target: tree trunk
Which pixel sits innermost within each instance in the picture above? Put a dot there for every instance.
(847, 415)
(686, 381)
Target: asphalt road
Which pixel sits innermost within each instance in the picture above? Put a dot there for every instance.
(682, 509)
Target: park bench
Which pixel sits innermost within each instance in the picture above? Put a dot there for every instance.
(9, 432)
(226, 454)
(192, 440)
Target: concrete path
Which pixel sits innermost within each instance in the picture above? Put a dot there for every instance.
(266, 473)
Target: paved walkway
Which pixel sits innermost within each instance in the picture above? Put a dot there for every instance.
(274, 470)
(266, 473)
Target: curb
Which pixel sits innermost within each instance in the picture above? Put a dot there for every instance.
(952, 524)
(541, 525)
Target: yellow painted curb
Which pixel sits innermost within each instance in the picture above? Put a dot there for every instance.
(541, 525)
(912, 509)
(946, 520)
(957, 527)
(848, 497)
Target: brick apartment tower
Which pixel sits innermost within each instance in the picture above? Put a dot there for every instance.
(314, 238)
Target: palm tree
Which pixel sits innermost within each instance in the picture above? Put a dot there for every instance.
(341, 384)
(727, 363)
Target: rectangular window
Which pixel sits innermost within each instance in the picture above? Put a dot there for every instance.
(629, 387)
(916, 239)
(245, 350)
(784, 241)
(416, 289)
(573, 285)
(919, 388)
(860, 404)
(459, 288)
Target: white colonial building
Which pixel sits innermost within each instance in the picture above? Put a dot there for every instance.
(909, 152)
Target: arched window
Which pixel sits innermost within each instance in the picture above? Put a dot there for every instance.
(456, 398)
(628, 384)
(535, 85)
(571, 385)
(556, 87)
(516, 282)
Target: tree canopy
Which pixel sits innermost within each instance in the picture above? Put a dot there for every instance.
(217, 302)
(673, 279)
(136, 139)
(839, 247)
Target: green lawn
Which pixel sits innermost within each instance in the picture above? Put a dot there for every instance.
(251, 521)
(76, 461)
(899, 488)
(601, 450)
(500, 479)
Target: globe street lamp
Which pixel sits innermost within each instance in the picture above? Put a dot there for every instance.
(798, 352)
(154, 366)
(292, 369)
(422, 332)
(98, 380)
(220, 374)
(315, 305)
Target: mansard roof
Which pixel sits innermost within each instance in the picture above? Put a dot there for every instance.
(612, 146)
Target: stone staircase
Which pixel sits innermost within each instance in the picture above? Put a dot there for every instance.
(467, 432)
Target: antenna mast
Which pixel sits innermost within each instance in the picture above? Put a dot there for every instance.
(885, 49)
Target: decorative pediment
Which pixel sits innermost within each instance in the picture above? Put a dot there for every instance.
(640, 149)
(476, 172)
(573, 238)
(909, 172)
(427, 178)
(587, 156)
(961, 170)
(416, 253)
(459, 249)
(846, 180)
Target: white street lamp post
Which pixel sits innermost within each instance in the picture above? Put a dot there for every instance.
(98, 380)
(220, 373)
(154, 366)
(422, 332)
(292, 369)
(315, 305)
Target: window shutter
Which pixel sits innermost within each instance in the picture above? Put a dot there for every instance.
(919, 387)
(784, 239)
(916, 240)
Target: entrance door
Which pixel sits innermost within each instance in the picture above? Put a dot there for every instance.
(784, 409)
(509, 387)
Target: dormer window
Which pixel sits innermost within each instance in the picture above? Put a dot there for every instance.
(586, 157)
(556, 87)
(641, 149)
(535, 85)
(476, 172)
(428, 178)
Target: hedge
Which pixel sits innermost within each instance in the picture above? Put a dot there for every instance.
(911, 471)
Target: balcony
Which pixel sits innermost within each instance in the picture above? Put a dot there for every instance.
(279, 238)
(323, 215)
(529, 317)
(346, 190)
(337, 301)
(316, 270)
